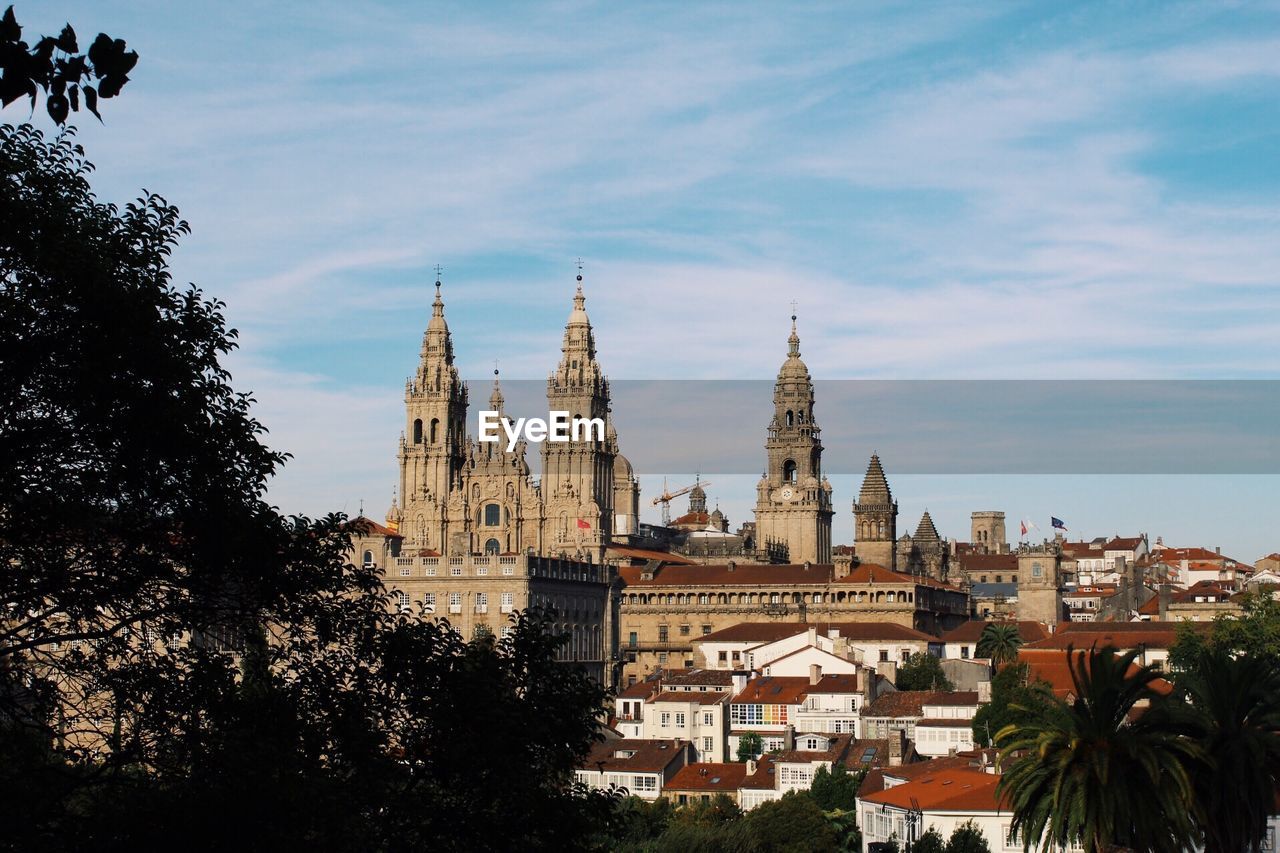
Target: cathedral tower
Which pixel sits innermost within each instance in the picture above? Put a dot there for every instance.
(875, 516)
(793, 501)
(578, 476)
(433, 445)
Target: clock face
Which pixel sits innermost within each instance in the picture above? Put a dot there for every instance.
(787, 494)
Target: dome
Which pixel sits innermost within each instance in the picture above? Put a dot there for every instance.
(622, 468)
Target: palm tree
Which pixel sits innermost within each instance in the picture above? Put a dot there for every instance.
(1000, 642)
(1095, 770)
(1232, 709)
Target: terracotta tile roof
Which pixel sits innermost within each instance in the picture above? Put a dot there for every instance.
(860, 749)
(767, 632)
(1178, 554)
(872, 783)
(639, 690)
(699, 518)
(742, 574)
(1053, 667)
(968, 760)
(773, 690)
(949, 790)
(989, 562)
(971, 631)
(765, 776)
(698, 677)
(1124, 543)
(838, 683)
(910, 703)
(1122, 635)
(649, 756)
(372, 527)
(708, 777)
(873, 573)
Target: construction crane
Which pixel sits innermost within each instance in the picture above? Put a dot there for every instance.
(666, 496)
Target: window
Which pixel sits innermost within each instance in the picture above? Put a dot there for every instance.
(789, 471)
(429, 603)
(707, 744)
(964, 652)
(662, 633)
(492, 515)
(884, 654)
(645, 783)
(905, 654)
(708, 719)
(1036, 570)
(706, 629)
(402, 600)
(664, 719)
(455, 571)
(680, 719)
(508, 602)
(724, 657)
(405, 572)
(431, 571)
(632, 640)
(417, 431)
(455, 602)
(662, 657)
(482, 602)
(684, 630)
(491, 546)
(368, 560)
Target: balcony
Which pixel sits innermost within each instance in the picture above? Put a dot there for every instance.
(455, 608)
(482, 608)
(507, 608)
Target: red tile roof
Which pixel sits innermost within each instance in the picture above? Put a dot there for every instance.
(698, 677)
(971, 631)
(372, 527)
(742, 574)
(989, 563)
(650, 756)
(1122, 635)
(697, 697)
(708, 777)
(1053, 667)
(773, 690)
(949, 790)
(648, 554)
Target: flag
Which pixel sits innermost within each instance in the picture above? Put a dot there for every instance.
(1028, 525)
(1024, 527)
(582, 525)
(1058, 523)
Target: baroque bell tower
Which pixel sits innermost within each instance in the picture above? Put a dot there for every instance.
(433, 445)
(793, 501)
(578, 476)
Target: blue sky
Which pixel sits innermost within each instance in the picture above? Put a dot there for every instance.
(984, 191)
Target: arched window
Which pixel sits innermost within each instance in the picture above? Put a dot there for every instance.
(791, 417)
(492, 546)
(417, 431)
(492, 515)
(789, 471)
(882, 530)
(368, 559)
(435, 430)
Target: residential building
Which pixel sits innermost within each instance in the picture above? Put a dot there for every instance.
(901, 710)
(961, 642)
(642, 767)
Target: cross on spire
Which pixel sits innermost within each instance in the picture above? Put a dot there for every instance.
(439, 270)
(793, 309)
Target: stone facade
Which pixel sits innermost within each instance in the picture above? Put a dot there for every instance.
(987, 532)
(462, 497)
(875, 515)
(793, 504)
(1040, 584)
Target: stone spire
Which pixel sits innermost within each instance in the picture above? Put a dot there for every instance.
(495, 399)
(437, 344)
(875, 487)
(926, 531)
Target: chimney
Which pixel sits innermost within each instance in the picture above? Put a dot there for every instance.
(731, 565)
(896, 737)
(751, 767)
(1217, 549)
(813, 636)
(806, 565)
(739, 682)
(815, 674)
(789, 738)
(1166, 595)
(868, 676)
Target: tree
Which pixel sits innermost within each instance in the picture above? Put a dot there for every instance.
(56, 67)
(1255, 632)
(1014, 697)
(1000, 642)
(930, 842)
(750, 745)
(835, 789)
(180, 665)
(1232, 710)
(1086, 773)
(968, 838)
(922, 671)
(792, 823)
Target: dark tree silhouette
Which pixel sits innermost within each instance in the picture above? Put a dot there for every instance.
(56, 67)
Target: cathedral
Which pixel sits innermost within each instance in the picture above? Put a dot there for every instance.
(459, 496)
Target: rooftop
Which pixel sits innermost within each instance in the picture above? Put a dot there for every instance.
(971, 631)
(634, 756)
(949, 790)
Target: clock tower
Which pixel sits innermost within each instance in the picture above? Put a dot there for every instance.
(793, 502)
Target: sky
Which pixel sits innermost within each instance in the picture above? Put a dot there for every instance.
(946, 191)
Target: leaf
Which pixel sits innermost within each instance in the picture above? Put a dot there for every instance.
(67, 40)
(100, 50)
(9, 29)
(109, 87)
(57, 106)
(91, 101)
(74, 95)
